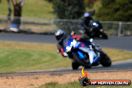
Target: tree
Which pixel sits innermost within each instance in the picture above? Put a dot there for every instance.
(49, 0)
(107, 2)
(115, 10)
(68, 9)
(89, 3)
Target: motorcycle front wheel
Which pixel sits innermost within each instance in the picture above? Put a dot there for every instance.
(105, 61)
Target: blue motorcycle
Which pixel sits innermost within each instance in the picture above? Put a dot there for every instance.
(85, 54)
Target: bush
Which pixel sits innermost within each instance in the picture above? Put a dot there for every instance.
(115, 10)
(68, 9)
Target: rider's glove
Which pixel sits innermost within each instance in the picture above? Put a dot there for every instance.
(65, 54)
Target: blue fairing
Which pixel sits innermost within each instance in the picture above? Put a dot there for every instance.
(70, 44)
(81, 55)
(67, 42)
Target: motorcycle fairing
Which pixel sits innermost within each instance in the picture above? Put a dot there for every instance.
(81, 55)
(93, 57)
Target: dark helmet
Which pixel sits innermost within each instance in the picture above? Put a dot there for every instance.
(60, 34)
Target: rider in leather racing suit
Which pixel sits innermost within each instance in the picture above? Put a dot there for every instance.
(61, 36)
(86, 23)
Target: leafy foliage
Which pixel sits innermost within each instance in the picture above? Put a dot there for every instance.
(115, 10)
(68, 9)
(89, 3)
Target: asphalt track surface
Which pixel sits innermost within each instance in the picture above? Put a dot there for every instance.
(124, 43)
(113, 42)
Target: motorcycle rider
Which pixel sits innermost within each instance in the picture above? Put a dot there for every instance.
(63, 40)
(61, 36)
(92, 28)
(86, 22)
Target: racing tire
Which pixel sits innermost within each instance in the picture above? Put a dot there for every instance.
(75, 65)
(105, 61)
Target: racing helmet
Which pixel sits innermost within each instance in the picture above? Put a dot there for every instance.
(59, 34)
(87, 15)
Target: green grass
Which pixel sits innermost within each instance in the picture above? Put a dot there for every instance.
(77, 85)
(12, 60)
(18, 56)
(32, 8)
(118, 54)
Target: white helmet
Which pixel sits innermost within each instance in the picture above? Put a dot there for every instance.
(59, 34)
(86, 14)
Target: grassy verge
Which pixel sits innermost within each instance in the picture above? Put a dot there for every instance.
(118, 54)
(77, 85)
(27, 57)
(17, 56)
(12, 60)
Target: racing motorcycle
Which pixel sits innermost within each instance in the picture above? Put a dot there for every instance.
(96, 30)
(85, 54)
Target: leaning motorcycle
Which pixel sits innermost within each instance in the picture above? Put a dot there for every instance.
(85, 54)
